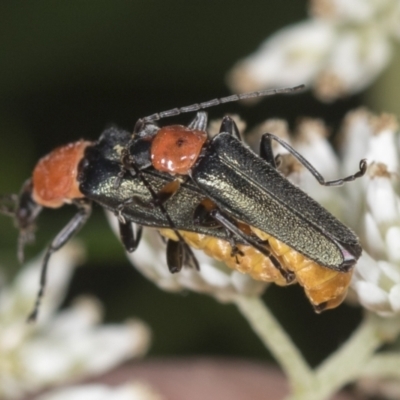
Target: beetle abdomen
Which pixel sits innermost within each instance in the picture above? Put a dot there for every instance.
(251, 262)
(325, 288)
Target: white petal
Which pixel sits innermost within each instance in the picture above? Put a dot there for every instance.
(355, 61)
(215, 276)
(356, 133)
(246, 285)
(372, 297)
(374, 242)
(367, 269)
(13, 333)
(312, 143)
(344, 10)
(394, 298)
(48, 360)
(382, 201)
(84, 313)
(293, 55)
(109, 346)
(45, 362)
(393, 244)
(382, 145)
(391, 275)
(18, 300)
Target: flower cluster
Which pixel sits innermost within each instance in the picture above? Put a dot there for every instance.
(370, 205)
(59, 347)
(376, 200)
(339, 51)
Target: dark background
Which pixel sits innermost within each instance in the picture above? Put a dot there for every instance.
(68, 69)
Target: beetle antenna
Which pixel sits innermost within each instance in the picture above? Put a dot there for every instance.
(218, 101)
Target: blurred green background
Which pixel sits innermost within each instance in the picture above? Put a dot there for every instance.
(70, 68)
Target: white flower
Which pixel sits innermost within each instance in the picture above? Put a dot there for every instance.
(377, 205)
(130, 391)
(293, 55)
(340, 51)
(370, 205)
(58, 347)
(214, 278)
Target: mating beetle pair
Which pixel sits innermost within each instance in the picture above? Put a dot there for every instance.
(216, 195)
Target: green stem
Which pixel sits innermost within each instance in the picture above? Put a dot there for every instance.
(351, 361)
(383, 366)
(348, 362)
(277, 341)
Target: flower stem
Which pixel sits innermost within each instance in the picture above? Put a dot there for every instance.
(383, 366)
(349, 362)
(346, 364)
(277, 341)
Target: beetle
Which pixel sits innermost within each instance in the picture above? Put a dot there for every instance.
(267, 260)
(83, 172)
(248, 188)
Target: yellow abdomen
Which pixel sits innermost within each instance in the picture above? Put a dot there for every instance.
(324, 287)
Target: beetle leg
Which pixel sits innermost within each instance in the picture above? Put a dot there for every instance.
(190, 259)
(201, 215)
(125, 156)
(173, 256)
(266, 144)
(73, 226)
(228, 125)
(235, 252)
(128, 237)
(199, 122)
(266, 152)
(124, 167)
(178, 255)
(231, 227)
